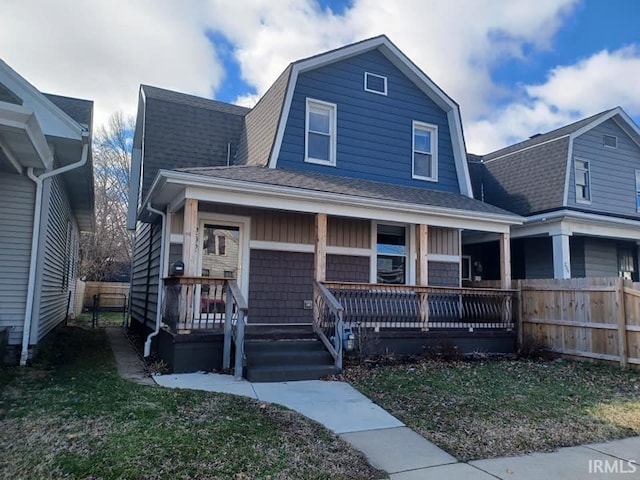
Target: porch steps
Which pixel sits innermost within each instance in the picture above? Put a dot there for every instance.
(280, 360)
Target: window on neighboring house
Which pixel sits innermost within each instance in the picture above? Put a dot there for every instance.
(425, 151)
(610, 141)
(583, 181)
(320, 138)
(626, 262)
(391, 248)
(638, 190)
(466, 267)
(375, 83)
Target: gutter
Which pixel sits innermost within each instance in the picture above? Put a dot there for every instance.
(35, 240)
(147, 343)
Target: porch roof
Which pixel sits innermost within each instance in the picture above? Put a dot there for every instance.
(348, 186)
(313, 192)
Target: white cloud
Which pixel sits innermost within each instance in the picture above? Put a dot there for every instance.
(103, 50)
(571, 92)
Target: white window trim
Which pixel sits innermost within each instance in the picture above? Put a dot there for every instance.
(434, 150)
(584, 201)
(333, 115)
(368, 74)
(410, 249)
(609, 146)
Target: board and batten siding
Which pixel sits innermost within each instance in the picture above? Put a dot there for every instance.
(144, 276)
(56, 265)
(444, 241)
(374, 132)
(17, 196)
(612, 171)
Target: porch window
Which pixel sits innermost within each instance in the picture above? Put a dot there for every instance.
(425, 151)
(320, 133)
(583, 183)
(391, 247)
(626, 262)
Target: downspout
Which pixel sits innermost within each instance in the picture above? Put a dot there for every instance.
(163, 216)
(35, 240)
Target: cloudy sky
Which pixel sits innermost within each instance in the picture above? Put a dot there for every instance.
(516, 67)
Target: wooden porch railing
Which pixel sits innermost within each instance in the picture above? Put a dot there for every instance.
(408, 306)
(328, 321)
(205, 303)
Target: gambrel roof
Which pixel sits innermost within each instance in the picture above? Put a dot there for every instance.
(532, 176)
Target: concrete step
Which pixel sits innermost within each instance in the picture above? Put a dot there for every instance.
(279, 373)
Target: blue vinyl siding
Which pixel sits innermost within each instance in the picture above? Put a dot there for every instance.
(374, 132)
(612, 170)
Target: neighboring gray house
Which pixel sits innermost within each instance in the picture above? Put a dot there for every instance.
(579, 189)
(46, 193)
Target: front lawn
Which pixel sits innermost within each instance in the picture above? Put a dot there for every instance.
(72, 416)
(484, 409)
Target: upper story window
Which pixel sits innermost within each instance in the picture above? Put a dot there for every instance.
(583, 181)
(610, 141)
(638, 190)
(425, 151)
(375, 83)
(320, 133)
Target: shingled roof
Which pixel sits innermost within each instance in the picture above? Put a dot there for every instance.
(349, 186)
(80, 110)
(187, 131)
(527, 177)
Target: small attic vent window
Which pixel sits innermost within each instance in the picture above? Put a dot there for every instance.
(375, 83)
(610, 141)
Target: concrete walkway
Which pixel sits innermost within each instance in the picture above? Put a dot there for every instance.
(387, 443)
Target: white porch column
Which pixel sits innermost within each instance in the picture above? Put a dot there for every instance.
(561, 257)
(190, 244)
(505, 260)
(423, 249)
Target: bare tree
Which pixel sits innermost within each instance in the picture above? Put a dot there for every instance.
(106, 253)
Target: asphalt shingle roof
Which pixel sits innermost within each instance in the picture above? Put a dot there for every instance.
(349, 186)
(186, 131)
(80, 110)
(527, 177)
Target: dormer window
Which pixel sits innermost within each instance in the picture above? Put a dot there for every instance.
(375, 83)
(320, 132)
(425, 151)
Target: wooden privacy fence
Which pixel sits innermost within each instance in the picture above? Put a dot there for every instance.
(595, 318)
(112, 294)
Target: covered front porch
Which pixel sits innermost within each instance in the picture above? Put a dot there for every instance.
(243, 270)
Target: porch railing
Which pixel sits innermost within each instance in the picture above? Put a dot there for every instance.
(328, 321)
(408, 306)
(205, 303)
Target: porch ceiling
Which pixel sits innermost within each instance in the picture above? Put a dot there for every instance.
(314, 193)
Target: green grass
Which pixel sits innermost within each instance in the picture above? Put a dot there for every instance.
(484, 409)
(104, 319)
(71, 416)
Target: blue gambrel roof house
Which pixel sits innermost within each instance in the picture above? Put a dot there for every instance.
(337, 203)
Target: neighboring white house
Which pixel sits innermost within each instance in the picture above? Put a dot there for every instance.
(46, 198)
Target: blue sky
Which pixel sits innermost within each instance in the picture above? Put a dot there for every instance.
(516, 67)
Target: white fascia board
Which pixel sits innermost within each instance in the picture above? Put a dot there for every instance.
(459, 152)
(53, 120)
(567, 222)
(134, 187)
(294, 199)
(23, 118)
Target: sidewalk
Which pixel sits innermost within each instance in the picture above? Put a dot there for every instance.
(387, 442)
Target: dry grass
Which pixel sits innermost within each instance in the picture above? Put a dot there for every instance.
(72, 416)
(485, 409)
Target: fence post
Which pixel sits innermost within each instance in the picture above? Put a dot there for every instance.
(622, 322)
(518, 311)
(228, 316)
(96, 308)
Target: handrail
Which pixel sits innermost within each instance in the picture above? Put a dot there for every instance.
(328, 317)
(234, 327)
